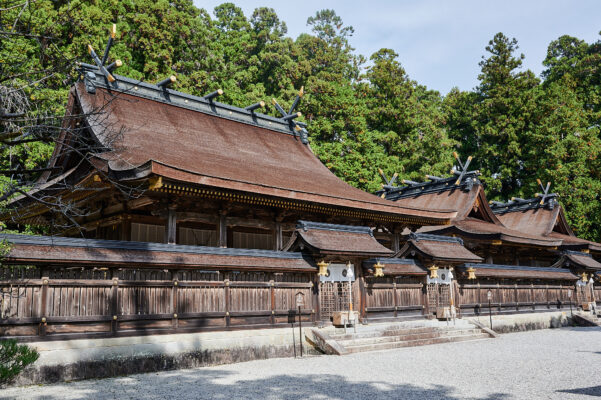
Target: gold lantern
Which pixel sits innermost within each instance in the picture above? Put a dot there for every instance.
(378, 272)
(471, 273)
(323, 268)
(584, 277)
(433, 272)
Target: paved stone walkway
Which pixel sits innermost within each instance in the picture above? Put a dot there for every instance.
(547, 364)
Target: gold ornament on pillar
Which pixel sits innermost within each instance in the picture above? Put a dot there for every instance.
(323, 268)
(471, 273)
(433, 272)
(378, 272)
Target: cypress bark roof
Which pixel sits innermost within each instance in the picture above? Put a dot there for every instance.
(579, 260)
(437, 248)
(395, 266)
(50, 250)
(191, 140)
(331, 239)
(519, 272)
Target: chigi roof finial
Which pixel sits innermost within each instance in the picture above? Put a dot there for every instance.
(106, 71)
(545, 192)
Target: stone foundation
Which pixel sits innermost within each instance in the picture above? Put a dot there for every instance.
(102, 358)
(525, 322)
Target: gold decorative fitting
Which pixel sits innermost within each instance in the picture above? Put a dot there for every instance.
(97, 178)
(378, 270)
(44, 320)
(45, 281)
(115, 282)
(433, 272)
(471, 273)
(227, 313)
(272, 312)
(323, 268)
(175, 283)
(156, 182)
(497, 242)
(114, 317)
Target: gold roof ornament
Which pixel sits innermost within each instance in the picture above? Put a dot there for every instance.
(323, 268)
(471, 273)
(378, 269)
(433, 272)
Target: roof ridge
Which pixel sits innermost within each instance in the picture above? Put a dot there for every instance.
(94, 78)
(434, 238)
(306, 225)
(433, 186)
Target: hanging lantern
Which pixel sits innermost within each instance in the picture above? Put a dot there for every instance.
(378, 272)
(323, 268)
(433, 272)
(584, 277)
(471, 273)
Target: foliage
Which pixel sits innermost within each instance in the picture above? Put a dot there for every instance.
(13, 359)
(362, 115)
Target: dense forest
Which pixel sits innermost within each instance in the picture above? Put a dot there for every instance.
(363, 113)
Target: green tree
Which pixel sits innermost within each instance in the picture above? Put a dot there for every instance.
(13, 359)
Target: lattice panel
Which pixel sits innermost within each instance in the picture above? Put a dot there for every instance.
(439, 295)
(333, 297)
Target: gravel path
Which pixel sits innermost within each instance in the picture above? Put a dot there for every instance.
(547, 364)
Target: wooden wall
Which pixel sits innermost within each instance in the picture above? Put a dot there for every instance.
(77, 303)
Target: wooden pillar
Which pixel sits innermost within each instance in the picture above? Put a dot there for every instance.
(277, 236)
(126, 229)
(171, 229)
(222, 229)
(396, 241)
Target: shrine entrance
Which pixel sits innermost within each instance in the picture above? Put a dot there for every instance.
(440, 297)
(335, 290)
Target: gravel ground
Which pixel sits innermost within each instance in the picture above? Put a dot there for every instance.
(547, 364)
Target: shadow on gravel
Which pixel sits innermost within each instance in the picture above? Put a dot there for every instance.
(203, 384)
(589, 391)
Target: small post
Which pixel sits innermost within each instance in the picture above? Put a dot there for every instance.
(570, 300)
(300, 330)
(489, 294)
(300, 300)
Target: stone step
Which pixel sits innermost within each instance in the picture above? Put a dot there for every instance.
(413, 343)
(393, 332)
(433, 333)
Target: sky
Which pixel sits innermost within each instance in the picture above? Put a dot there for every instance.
(440, 42)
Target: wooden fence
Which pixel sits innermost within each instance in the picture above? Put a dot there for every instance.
(134, 302)
(394, 298)
(512, 298)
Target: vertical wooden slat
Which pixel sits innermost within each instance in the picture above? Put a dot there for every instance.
(43, 305)
(227, 294)
(174, 293)
(114, 304)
